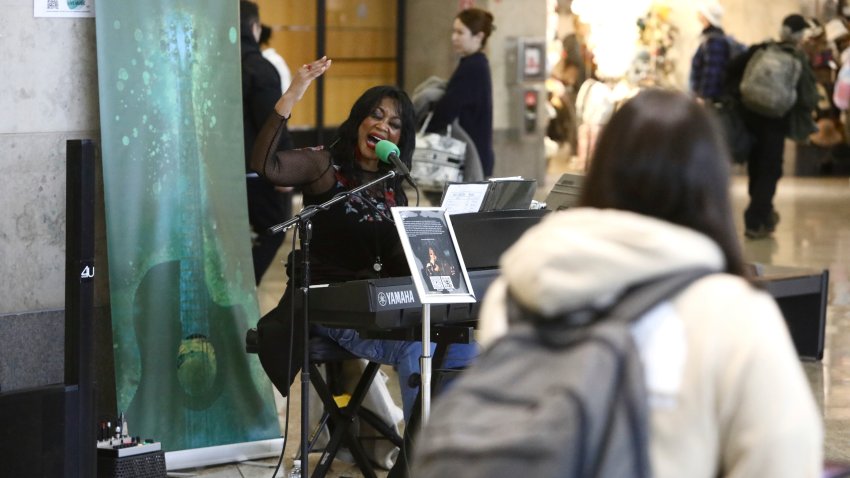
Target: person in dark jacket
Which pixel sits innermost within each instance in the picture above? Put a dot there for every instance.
(469, 93)
(268, 205)
(764, 162)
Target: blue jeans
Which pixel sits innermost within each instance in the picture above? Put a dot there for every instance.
(403, 356)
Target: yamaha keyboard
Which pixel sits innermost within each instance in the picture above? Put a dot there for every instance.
(392, 303)
(389, 303)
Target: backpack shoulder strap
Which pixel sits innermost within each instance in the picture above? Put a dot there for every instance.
(639, 299)
(632, 304)
(784, 46)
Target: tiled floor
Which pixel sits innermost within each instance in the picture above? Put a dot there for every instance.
(814, 233)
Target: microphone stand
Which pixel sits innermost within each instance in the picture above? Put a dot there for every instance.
(303, 220)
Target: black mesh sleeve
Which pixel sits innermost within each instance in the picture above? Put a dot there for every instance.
(308, 168)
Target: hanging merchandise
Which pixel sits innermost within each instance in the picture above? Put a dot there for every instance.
(655, 63)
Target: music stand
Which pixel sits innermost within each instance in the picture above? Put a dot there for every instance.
(438, 272)
(484, 236)
(495, 194)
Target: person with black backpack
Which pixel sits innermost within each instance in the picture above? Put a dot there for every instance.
(777, 91)
(623, 338)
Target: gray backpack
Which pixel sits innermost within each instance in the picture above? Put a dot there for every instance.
(559, 397)
(769, 84)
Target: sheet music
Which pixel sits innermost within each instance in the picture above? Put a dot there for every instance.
(464, 198)
(506, 178)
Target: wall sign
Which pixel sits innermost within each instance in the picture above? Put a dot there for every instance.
(63, 8)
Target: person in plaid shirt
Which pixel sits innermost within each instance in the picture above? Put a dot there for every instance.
(708, 66)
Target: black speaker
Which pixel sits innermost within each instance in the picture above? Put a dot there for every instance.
(801, 295)
(32, 432)
(50, 430)
(80, 437)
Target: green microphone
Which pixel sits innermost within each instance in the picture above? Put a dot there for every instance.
(388, 153)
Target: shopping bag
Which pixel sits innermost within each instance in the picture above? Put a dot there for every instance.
(437, 159)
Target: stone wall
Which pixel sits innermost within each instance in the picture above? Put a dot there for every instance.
(49, 85)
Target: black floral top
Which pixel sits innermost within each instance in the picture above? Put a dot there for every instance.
(355, 239)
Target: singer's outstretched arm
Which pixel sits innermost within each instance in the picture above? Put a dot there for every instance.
(308, 168)
(302, 79)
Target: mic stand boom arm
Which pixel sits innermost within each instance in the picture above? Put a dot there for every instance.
(311, 211)
(306, 228)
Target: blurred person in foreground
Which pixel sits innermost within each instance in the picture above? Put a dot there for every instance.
(727, 395)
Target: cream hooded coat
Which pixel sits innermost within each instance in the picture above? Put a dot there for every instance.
(728, 396)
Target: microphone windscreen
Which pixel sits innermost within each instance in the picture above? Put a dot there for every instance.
(384, 149)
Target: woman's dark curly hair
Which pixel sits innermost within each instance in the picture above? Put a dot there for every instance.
(344, 146)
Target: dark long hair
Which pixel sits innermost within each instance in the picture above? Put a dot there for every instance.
(345, 144)
(661, 155)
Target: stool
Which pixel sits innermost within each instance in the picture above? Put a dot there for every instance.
(324, 351)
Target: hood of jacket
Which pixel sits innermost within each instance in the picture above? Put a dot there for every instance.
(586, 257)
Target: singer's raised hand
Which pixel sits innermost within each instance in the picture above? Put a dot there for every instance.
(301, 80)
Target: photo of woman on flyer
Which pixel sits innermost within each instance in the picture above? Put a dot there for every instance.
(440, 274)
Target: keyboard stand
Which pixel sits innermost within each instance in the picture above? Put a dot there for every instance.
(440, 333)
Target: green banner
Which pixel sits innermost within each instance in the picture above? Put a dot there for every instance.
(180, 272)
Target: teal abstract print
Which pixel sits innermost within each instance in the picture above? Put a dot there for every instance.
(181, 281)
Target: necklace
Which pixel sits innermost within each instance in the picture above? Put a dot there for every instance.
(378, 265)
(377, 196)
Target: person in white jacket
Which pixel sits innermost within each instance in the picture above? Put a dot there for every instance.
(727, 394)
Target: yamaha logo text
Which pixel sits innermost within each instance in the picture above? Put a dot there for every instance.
(396, 297)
